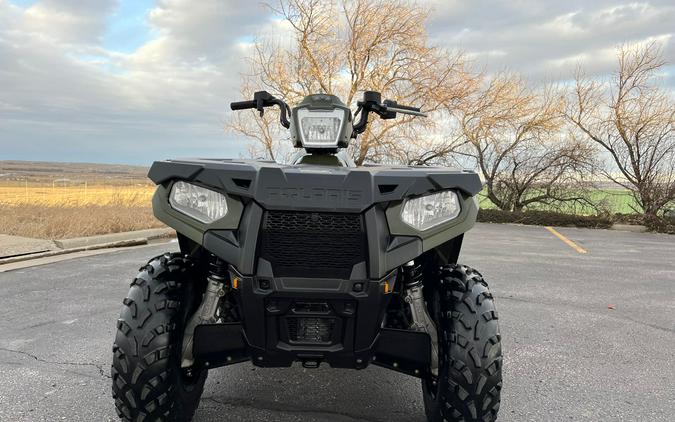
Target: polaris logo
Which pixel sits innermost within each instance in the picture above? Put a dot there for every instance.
(333, 196)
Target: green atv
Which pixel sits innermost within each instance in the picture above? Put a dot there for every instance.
(316, 261)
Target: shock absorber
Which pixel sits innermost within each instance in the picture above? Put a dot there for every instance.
(414, 297)
(207, 313)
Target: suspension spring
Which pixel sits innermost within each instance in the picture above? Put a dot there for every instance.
(217, 269)
(227, 308)
(412, 274)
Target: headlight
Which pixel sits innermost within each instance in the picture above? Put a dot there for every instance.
(199, 203)
(431, 210)
(320, 128)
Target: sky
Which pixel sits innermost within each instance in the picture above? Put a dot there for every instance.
(132, 81)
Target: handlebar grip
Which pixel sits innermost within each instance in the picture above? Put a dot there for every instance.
(243, 105)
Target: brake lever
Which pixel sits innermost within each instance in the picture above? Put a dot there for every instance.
(390, 106)
(372, 103)
(405, 111)
(262, 99)
(265, 99)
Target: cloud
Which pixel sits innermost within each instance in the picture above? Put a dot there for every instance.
(545, 40)
(66, 97)
(75, 86)
(68, 21)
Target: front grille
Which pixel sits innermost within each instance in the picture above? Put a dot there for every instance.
(308, 244)
(310, 330)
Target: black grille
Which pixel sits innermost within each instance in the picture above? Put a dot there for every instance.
(310, 330)
(306, 244)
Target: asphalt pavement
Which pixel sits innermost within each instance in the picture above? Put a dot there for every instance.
(586, 337)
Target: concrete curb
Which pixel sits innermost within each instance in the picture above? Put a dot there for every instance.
(112, 240)
(118, 244)
(11, 245)
(635, 228)
(148, 234)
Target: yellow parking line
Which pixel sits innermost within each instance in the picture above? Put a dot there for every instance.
(566, 240)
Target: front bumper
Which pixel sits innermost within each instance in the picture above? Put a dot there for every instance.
(352, 311)
(287, 320)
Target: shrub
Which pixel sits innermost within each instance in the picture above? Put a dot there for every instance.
(550, 218)
(660, 224)
(543, 218)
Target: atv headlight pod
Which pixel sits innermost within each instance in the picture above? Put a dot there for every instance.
(320, 128)
(428, 211)
(202, 204)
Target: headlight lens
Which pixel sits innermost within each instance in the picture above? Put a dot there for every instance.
(320, 128)
(431, 210)
(197, 202)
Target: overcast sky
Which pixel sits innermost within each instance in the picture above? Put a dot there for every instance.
(130, 81)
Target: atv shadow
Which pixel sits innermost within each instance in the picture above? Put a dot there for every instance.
(244, 392)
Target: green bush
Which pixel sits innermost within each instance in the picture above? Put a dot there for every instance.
(661, 224)
(638, 219)
(552, 218)
(543, 218)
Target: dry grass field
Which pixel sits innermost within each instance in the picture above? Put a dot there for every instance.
(45, 222)
(57, 201)
(72, 211)
(75, 195)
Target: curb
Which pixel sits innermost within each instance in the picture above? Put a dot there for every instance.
(104, 241)
(118, 244)
(634, 228)
(148, 234)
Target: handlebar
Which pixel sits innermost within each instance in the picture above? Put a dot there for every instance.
(413, 111)
(393, 106)
(243, 105)
(371, 103)
(262, 99)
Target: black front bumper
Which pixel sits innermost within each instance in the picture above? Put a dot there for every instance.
(287, 320)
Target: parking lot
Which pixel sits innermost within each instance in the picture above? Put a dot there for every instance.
(586, 337)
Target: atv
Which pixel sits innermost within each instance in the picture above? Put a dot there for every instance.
(318, 261)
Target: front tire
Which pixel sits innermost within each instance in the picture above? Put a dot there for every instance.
(469, 379)
(147, 380)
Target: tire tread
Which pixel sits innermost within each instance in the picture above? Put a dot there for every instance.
(471, 349)
(142, 377)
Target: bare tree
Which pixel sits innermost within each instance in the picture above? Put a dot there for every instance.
(515, 136)
(631, 119)
(349, 46)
